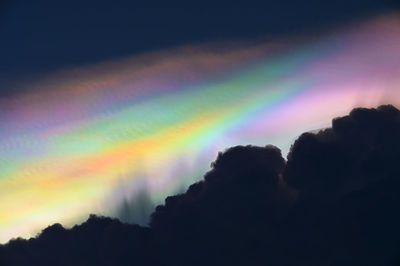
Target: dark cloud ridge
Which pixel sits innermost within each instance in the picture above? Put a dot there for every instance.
(334, 201)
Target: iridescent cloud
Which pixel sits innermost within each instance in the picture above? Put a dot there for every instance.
(70, 139)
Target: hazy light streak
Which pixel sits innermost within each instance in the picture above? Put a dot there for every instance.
(69, 140)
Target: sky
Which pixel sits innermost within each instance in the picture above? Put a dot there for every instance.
(43, 36)
(101, 104)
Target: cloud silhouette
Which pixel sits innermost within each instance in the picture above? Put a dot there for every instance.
(333, 202)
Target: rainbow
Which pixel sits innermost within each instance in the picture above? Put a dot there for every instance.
(70, 140)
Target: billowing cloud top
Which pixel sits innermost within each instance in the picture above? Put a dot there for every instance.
(333, 202)
(82, 140)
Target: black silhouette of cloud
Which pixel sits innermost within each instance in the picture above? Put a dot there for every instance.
(334, 201)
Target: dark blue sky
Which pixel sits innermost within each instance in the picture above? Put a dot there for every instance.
(39, 36)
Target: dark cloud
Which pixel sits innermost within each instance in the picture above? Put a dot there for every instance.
(358, 149)
(98, 241)
(333, 202)
(347, 178)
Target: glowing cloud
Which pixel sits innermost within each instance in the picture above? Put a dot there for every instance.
(72, 138)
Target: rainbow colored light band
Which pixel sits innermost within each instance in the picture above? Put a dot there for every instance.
(72, 138)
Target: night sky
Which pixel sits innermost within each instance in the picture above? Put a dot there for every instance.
(107, 109)
(40, 36)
